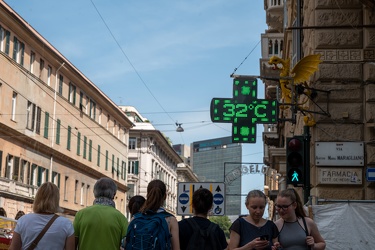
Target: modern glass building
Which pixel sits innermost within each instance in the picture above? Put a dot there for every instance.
(215, 160)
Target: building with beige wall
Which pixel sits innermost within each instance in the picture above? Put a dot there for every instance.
(55, 124)
(151, 156)
(342, 32)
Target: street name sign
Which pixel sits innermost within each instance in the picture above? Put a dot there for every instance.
(185, 196)
(339, 154)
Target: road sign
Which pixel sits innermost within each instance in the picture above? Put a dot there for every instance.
(185, 196)
(370, 174)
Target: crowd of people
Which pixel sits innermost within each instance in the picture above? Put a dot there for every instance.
(102, 226)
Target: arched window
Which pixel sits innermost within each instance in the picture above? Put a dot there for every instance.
(276, 47)
(2, 212)
(270, 47)
(19, 215)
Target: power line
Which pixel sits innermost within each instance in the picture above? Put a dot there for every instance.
(131, 64)
(235, 69)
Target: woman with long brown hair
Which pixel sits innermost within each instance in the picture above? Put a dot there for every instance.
(297, 231)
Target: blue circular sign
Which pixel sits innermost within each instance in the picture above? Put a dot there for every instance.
(184, 198)
(218, 199)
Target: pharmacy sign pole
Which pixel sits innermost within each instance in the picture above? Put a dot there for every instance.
(244, 110)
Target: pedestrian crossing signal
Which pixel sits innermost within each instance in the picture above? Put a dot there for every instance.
(295, 153)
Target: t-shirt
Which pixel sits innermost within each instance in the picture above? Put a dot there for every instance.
(100, 227)
(185, 231)
(249, 232)
(30, 225)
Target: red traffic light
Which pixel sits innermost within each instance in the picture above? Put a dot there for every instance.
(294, 145)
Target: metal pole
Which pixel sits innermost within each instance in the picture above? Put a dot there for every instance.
(306, 147)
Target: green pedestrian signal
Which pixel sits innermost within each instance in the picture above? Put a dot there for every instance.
(244, 110)
(295, 153)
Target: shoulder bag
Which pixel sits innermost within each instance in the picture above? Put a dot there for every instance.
(40, 235)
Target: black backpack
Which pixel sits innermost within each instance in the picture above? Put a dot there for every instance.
(203, 239)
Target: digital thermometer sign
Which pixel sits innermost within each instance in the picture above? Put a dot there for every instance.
(244, 110)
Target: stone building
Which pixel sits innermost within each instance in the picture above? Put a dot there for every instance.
(55, 124)
(336, 105)
(151, 156)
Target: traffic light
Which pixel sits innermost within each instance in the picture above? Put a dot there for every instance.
(295, 161)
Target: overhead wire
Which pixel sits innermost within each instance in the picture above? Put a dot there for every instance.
(129, 61)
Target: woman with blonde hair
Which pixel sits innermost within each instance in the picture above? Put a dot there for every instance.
(60, 235)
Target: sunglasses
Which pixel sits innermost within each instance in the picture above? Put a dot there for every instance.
(283, 207)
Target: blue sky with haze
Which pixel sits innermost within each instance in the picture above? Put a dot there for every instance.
(168, 59)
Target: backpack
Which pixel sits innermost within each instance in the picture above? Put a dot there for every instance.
(203, 239)
(148, 231)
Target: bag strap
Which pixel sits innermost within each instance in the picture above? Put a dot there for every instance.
(305, 225)
(44, 230)
(306, 229)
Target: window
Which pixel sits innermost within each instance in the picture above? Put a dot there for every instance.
(2, 36)
(16, 169)
(7, 42)
(113, 164)
(31, 115)
(38, 120)
(8, 166)
(41, 68)
(14, 103)
(46, 125)
(100, 116)
(49, 73)
(108, 120)
(98, 161)
(72, 93)
(18, 51)
(133, 167)
(79, 143)
(123, 170)
(84, 146)
(90, 150)
(15, 48)
(118, 167)
(92, 109)
(25, 165)
(22, 53)
(75, 191)
(61, 80)
(31, 173)
(66, 188)
(42, 176)
(81, 106)
(82, 193)
(132, 142)
(32, 61)
(69, 137)
(58, 127)
(56, 179)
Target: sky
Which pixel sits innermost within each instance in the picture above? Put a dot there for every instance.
(168, 59)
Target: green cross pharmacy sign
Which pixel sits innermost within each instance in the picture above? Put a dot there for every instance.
(244, 110)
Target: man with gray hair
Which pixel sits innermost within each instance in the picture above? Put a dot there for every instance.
(100, 226)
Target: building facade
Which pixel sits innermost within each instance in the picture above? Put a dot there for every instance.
(338, 108)
(151, 156)
(215, 160)
(55, 124)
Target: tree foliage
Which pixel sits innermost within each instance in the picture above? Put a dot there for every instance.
(223, 222)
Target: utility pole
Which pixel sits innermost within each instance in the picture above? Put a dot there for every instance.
(306, 147)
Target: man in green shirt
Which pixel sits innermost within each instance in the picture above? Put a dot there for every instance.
(100, 226)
